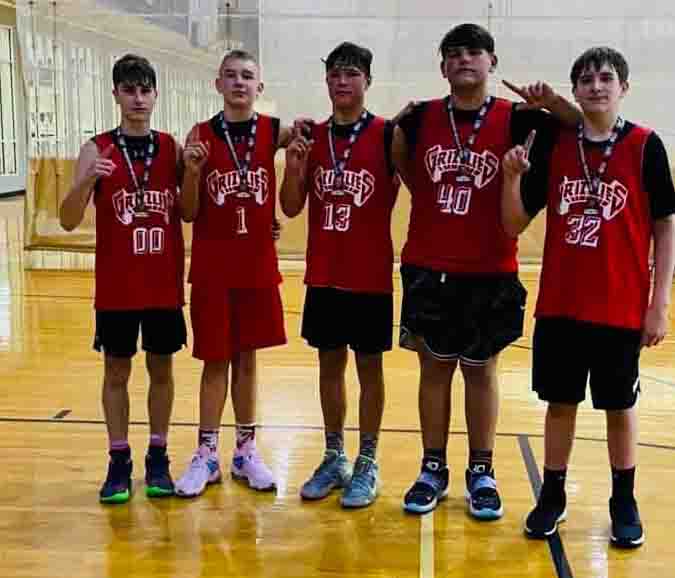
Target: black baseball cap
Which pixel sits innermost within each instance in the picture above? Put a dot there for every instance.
(350, 54)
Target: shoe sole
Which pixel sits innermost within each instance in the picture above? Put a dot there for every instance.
(627, 544)
(119, 498)
(543, 535)
(244, 479)
(416, 509)
(485, 514)
(157, 492)
(181, 494)
(356, 505)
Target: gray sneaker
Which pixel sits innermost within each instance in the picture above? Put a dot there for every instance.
(362, 489)
(335, 471)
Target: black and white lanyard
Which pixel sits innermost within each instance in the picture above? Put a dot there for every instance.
(242, 167)
(139, 203)
(465, 150)
(340, 165)
(593, 180)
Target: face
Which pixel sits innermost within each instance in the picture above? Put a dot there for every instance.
(239, 82)
(135, 100)
(347, 86)
(599, 90)
(467, 67)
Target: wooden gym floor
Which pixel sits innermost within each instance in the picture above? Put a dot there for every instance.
(53, 457)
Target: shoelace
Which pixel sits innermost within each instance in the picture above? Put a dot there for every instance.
(362, 477)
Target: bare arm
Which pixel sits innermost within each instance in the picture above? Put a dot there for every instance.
(656, 318)
(293, 192)
(400, 158)
(195, 155)
(90, 167)
(541, 95)
(515, 163)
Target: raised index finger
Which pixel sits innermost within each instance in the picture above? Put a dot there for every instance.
(528, 142)
(512, 87)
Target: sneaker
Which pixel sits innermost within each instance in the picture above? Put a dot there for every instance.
(248, 466)
(333, 472)
(204, 469)
(361, 490)
(158, 482)
(117, 486)
(626, 525)
(543, 521)
(482, 496)
(430, 487)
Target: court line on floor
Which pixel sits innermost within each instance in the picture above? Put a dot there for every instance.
(427, 568)
(7, 419)
(555, 544)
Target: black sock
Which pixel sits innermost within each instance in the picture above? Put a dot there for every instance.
(553, 489)
(434, 460)
(335, 440)
(623, 483)
(368, 445)
(156, 452)
(123, 455)
(480, 462)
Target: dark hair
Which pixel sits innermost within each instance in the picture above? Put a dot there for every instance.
(596, 58)
(350, 54)
(134, 70)
(469, 35)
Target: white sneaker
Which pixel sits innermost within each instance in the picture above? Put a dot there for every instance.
(204, 469)
(247, 465)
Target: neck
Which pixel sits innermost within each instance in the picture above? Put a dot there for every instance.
(599, 126)
(237, 114)
(135, 128)
(347, 115)
(469, 98)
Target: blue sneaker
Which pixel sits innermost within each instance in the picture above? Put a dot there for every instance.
(334, 472)
(362, 489)
(482, 496)
(117, 486)
(430, 488)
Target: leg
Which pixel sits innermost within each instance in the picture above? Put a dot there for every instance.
(204, 468)
(117, 486)
(434, 407)
(335, 470)
(247, 465)
(362, 489)
(160, 402)
(561, 420)
(622, 436)
(481, 409)
(160, 395)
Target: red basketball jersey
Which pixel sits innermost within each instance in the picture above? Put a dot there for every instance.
(349, 244)
(455, 225)
(596, 263)
(139, 260)
(232, 241)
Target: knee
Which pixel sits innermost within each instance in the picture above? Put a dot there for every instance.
(159, 369)
(562, 410)
(117, 372)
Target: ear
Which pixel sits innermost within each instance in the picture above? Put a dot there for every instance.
(260, 88)
(369, 81)
(494, 61)
(624, 88)
(116, 95)
(219, 84)
(443, 69)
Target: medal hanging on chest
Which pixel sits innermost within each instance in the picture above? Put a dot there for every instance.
(340, 165)
(464, 151)
(242, 166)
(140, 210)
(593, 181)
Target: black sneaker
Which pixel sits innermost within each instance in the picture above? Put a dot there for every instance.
(430, 487)
(543, 521)
(117, 486)
(158, 482)
(627, 529)
(482, 496)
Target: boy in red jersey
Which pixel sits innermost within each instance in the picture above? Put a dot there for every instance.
(608, 192)
(132, 173)
(347, 177)
(229, 191)
(462, 300)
